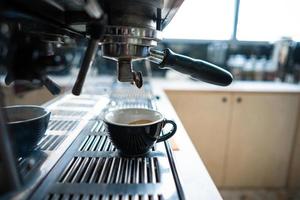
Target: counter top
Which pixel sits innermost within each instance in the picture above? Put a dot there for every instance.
(195, 179)
(189, 84)
(236, 86)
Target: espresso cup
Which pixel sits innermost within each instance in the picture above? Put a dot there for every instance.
(134, 131)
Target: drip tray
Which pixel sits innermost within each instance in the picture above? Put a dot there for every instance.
(93, 169)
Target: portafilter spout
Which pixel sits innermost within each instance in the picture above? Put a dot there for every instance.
(196, 68)
(127, 74)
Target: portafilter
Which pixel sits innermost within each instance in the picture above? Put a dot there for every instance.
(129, 30)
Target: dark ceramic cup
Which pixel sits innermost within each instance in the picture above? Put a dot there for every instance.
(136, 139)
(27, 125)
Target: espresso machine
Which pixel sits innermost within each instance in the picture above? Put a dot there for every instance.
(123, 31)
(36, 37)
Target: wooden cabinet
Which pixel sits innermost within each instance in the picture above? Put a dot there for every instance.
(294, 174)
(245, 139)
(261, 139)
(206, 119)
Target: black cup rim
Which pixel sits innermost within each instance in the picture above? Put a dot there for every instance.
(47, 112)
(133, 125)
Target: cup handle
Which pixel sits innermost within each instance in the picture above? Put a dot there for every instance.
(170, 133)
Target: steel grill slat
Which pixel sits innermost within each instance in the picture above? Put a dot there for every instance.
(125, 176)
(94, 197)
(67, 113)
(83, 143)
(119, 169)
(88, 172)
(85, 197)
(104, 168)
(111, 147)
(99, 127)
(149, 174)
(73, 170)
(95, 143)
(109, 177)
(69, 125)
(50, 142)
(89, 142)
(152, 171)
(58, 126)
(115, 171)
(48, 197)
(66, 172)
(137, 171)
(157, 172)
(50, 124)
(85, 171)
(144, 165)
(55, 124)
(74, 124)
(102, 128)
(104, 146)
(80, 172)
(55, 144)
(43, 140)
(65, 197)
(55, 197)
(66, 125)
(46, 141)
(61, 125)
(115, 197)
(105, 198)
(108, 145)
(135, 197)
(100, 143)
(128, 171)
(76, 197)
(155, 197)
(93, 177)
(94, 126)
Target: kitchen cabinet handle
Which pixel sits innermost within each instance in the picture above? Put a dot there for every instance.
(239, 100)
(224, 99)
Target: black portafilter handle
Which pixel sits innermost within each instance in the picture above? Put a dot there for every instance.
(196, 68)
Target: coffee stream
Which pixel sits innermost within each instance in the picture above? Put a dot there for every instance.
(141, 121)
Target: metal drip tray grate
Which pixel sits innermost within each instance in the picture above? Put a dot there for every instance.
(91, 168)
(50, 142)
(104, 197)
(97, 143)
(111, 170)
(131, 104)
(62, 125)
(68, 113)
(73, 104)
(98, 127)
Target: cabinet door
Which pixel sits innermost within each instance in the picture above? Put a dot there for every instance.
(294, 175)
(261, 139)
(205, 116)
